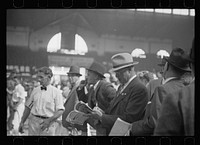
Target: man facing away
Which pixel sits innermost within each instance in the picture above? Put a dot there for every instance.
(177, 64)
(177, 111)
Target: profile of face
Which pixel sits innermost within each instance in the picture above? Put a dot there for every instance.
(73, 78)
(91, 77)
(43, 79)
(123, 75)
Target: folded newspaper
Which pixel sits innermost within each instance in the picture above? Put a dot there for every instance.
(120, 128)
(79, 114)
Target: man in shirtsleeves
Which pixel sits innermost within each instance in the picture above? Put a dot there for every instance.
(45, 105)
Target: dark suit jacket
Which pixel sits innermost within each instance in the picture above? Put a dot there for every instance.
(103, 95)
(152, 85)
(69, 106)
(177, 113)
(145, 127)
(129, 105)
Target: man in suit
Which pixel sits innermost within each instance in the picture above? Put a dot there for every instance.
(129, 104)
(100, 92)
(73, 98)
(177, 64)
(177, 112)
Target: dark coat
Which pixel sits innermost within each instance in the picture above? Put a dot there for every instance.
(145, 127)
(129, 105)
(69, 106)
(103, 94)
(152, 85)
(177, 114)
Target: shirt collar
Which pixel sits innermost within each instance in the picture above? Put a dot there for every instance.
(95, 86)
(126, 84)
(164, 81)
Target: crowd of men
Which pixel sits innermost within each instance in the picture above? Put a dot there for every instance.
(153, 106)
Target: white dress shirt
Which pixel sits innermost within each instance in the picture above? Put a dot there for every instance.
(45, 102)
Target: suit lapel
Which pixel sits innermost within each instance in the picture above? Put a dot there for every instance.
(97, 88)
(71, 92)
(122, 95)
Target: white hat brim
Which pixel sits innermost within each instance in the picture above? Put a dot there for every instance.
(124, 66)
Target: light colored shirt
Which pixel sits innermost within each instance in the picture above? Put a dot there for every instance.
(95, 86)
(164, 81)
(19, 92)
(45, 102)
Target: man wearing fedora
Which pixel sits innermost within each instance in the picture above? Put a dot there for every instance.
(73, 98)
(177, 112)
(176, 65)
(129, 104)
(100, 93)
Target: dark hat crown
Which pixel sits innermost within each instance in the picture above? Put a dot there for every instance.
(97, 68)
(179, 59)
(74, 70)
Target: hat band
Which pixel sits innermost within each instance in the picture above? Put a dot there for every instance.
(116, 66)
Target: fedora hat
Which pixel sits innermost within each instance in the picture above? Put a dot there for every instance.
(122, 60)
(179, 59)
(74, 70)
(97, 68)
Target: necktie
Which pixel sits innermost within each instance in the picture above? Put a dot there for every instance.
(43, 88)
(119, 89)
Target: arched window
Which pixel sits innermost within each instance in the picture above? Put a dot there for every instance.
(162, 53)
(80, 45)
(80, 49)
(54, 43)
(138, 52)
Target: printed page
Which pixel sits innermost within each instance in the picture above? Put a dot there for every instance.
(76, 117)
(120, 128)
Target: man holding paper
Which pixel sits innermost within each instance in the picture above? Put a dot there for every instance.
(74, 74)
(130, 101)
(100, 93)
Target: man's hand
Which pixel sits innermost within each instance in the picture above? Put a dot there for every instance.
(95, 115)
(45, 124)
(20, 129)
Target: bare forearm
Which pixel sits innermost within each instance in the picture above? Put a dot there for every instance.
(56, 115)
(25, 114)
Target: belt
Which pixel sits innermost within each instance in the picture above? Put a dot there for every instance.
(42, 117)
